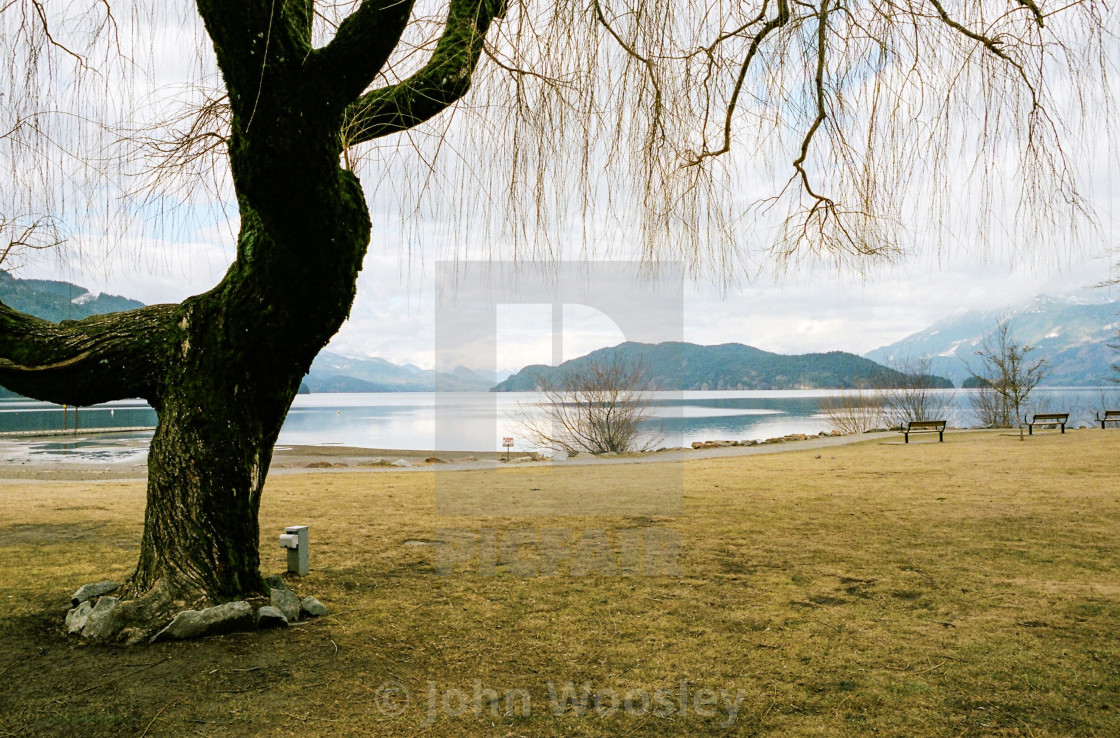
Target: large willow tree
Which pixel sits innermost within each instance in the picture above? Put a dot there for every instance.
(698, 130)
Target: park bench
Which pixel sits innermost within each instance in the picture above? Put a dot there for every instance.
(1046, 419)
(923, 426)
(1110, 416)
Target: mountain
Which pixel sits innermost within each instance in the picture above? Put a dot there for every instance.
(333, 372)
(729, 366)
(56, 301)
(1071, 333)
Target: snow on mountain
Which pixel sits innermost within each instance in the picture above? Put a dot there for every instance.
(333, 372)
(1072, 333)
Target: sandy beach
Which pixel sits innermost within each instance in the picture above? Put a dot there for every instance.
(94, 457)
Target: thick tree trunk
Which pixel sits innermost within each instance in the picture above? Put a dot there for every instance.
(235, 362)
(221, 369)
(218, 421)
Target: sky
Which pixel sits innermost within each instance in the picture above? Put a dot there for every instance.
(806, 307)
(808, 310)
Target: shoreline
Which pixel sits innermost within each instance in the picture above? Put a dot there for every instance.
(292, 459)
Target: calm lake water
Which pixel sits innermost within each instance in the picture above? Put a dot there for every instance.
(477, 421)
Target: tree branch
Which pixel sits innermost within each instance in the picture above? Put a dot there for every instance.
(360, 47)
(252, 36)
(42, 14)
(819, 99)
(1035, 11)
(992, 44)
(775, 23)
(436, 87)
(651, 70)
(25, 234)
(84, 362)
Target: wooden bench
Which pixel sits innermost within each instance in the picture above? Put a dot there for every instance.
(923, 426)
(1046, 419)
(1110, 416)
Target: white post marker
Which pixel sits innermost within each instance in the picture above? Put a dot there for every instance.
(508, 443)
(295, 540)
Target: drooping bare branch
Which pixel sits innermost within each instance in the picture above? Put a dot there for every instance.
(992, 44)
(27, 234)
(1033, 7)
(186, 151)
(819, 100)
(781, 18)
(674, 125)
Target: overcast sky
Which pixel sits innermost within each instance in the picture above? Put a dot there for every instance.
(807, 308)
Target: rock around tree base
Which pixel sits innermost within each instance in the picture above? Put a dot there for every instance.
(100, 616)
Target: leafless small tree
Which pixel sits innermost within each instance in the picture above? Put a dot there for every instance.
(989, 407)
(1005, 378)
(1115, 378)
(599, 406)
(854, 411)
(913, 396)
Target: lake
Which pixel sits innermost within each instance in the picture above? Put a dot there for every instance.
(477, 421)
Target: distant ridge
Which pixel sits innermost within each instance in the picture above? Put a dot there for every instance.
(728, 366)
(56, 301)
(1071, 333)
(333, 372)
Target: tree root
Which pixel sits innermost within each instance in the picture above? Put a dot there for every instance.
(163, 613)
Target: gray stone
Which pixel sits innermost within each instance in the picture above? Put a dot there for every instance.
(312, 608)
(89, 591)
(285, 601)
(227, 618)
(271, 617)
(400, 462)
(101, 622)
(133, 636)
(76, 619)
(276, 582)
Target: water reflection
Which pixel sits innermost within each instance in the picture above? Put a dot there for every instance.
(477, 421)
(110, 450)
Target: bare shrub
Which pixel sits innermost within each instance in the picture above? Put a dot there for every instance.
(598, 406)
(990, 408)
(854, 411)
(914, 396)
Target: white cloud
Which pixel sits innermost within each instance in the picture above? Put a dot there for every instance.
(394, 314)
(150, 271)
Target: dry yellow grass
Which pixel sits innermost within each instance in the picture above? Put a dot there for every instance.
(969, 587)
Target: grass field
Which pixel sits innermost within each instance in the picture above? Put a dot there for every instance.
(964, 588)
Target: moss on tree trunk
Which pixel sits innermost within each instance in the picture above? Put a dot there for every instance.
(221, 368)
